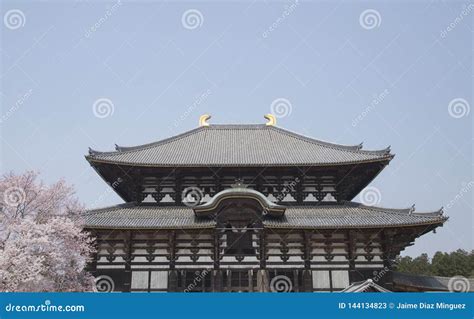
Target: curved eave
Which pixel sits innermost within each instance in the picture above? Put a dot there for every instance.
(239, 193)
(133, 216)
(428, 223)
(290, 227)
(91, 159)
(215, 138)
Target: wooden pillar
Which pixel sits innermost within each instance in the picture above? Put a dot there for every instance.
(307, 274)
(172, 249)
(217, 276)
(173, 280)
(92, 265)
(262, 249)
(263, 282)
(217, 252)
(385, 244)
(217, 281)
(128, 261)
(178, 188)
(228, 283)
(351, 248)
(300, 189)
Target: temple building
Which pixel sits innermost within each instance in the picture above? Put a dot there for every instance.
(244, 208)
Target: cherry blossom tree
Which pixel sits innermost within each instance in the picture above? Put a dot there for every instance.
(42, 245)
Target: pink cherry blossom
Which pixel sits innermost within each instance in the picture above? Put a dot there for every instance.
(42, 245)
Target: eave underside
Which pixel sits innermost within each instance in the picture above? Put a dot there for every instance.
(130, 181)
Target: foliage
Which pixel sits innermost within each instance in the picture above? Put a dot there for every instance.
(42, 246)
(456, 263)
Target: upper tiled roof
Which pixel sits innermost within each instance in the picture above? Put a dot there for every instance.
(325, 216)
(239, 145)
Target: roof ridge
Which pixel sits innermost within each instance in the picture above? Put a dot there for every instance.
(405, 211)
(126, 149)
(108, 208)
(427, 276)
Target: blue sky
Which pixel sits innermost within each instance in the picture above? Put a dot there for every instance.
(161, 66)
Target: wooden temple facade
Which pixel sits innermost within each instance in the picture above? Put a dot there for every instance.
(245, 208)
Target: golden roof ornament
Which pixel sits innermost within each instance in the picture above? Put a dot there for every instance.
(203, 120)
(271, 120)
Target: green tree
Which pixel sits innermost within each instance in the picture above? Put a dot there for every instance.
(456, 263)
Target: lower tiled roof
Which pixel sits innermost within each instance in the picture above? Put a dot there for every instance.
(433, 283)
(365, 286)
(324, 216)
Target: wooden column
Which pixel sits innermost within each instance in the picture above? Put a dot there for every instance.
(178, 188)
(172, 249)
(385, 244)
(217, 276)
(92, 265)
(300, 189)
(262, 249)
(351, 247)
(217, 248)
(307, 274)
(173, 273)
(263, 283)
(128, 261)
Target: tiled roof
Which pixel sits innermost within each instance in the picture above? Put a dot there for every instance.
(365, 286)
(239, 145)
(352, 215)
(346, 215)
(432, 283)
(133, 216)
